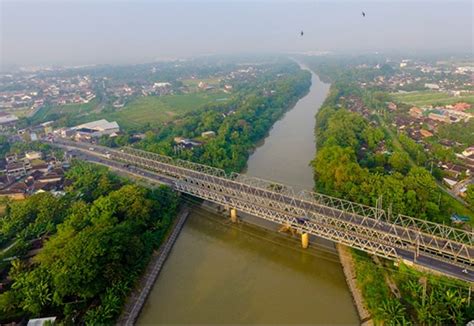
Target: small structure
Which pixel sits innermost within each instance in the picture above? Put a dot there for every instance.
(456, 218)
(34, 155)
(450, 183)
(208, 134)
(468, 151)
(416, 112)
(425, 133)
(392, 106)
(42, 321)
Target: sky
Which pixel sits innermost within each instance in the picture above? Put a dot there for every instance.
(74, 32)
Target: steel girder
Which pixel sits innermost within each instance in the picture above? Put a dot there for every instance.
(431, 228)
(311, 227)
(356, 215)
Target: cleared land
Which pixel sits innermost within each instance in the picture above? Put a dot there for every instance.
(431, 98)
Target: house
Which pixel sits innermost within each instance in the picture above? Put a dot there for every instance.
(208, 134)
(425, 133)
(468, 151)
(16, 169)
(415, 112)
(432, 86)
(392, 106)
(461, 106)
(14, 194)
(450, 183)
(439, 117)
(34, 155)
(65, 132)
(186, 143)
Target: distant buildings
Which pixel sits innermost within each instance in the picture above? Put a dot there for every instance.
(7, 120)
(186, 142)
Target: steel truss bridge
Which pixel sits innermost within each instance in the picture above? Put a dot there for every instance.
(435, 246)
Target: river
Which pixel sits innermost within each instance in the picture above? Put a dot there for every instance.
(223, 273)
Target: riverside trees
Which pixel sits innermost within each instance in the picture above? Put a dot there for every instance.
(351, 163)
(101, 236)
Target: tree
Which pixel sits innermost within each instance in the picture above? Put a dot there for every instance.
(400, 162)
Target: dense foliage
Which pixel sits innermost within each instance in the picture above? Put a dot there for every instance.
(239, 124)
(97, 240)
(359, 159)
(343, 171)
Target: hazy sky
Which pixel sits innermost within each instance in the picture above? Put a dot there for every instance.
(104, 31)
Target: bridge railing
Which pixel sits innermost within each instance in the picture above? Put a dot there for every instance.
(416, 224)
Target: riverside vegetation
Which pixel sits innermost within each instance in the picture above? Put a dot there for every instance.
(348, 165)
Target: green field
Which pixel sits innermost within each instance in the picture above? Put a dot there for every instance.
(140, 111)
(195, 82)
(422, 98)
(155, 110)
(67, 110)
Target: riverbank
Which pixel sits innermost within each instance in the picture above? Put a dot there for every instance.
(137, 298)
(348, 267)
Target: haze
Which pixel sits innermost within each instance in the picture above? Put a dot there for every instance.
(73, 32)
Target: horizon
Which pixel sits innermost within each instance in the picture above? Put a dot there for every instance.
(71, 33)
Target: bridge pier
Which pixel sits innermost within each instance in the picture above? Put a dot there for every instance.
(304, 240)
(233, 215)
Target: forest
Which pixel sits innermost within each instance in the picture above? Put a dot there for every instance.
(95, 242)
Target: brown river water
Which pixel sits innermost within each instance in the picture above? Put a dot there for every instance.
(224, 273)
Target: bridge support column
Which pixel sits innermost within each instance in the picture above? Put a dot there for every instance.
(304, 240)
(233, 215)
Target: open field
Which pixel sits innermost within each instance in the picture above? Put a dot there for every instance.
(195, 82)
(20, 113)
(431, 98)
(140, 111)
(154, 110)
(67, 110)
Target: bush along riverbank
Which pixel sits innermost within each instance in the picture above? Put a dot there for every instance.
(349, 165)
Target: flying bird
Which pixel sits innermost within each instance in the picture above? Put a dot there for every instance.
(301, 33)
(363, 14)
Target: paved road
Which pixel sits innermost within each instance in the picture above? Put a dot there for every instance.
(403, 248)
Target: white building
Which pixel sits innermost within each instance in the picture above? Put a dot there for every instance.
(97, 128)
(34, 155)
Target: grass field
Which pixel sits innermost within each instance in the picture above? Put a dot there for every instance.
(155, 110)
(195, 82)
(140, 111)
(431, 98)
(71, 110)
